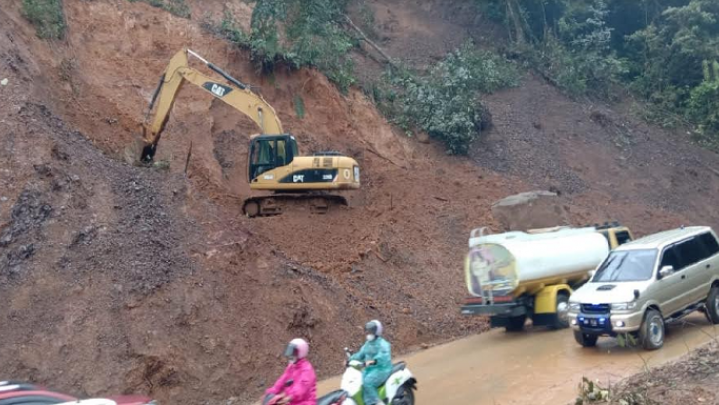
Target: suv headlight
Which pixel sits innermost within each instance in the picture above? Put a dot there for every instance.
(624, 306)
(574, 306)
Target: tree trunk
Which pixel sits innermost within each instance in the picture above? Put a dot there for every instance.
(514, 18)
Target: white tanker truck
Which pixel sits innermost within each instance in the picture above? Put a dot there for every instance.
(518, 275)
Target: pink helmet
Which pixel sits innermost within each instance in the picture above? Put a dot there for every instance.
(298, 348)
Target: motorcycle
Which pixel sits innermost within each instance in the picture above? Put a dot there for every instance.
(397, 390)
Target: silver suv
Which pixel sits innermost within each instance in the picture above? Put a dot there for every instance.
(647, 283)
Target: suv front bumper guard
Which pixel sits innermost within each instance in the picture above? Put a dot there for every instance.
(606, 323)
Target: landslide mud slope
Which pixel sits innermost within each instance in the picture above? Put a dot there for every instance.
(121, 279)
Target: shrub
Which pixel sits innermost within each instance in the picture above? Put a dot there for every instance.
(175, 7)
(577, 73)
(47, 16)
(445, 103)
(703, 107)
(313, 36)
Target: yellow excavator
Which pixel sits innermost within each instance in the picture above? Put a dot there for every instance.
(278, 175)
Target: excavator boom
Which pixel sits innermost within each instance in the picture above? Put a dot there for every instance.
(238, 96)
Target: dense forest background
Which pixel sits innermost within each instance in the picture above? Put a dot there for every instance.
(665, 52)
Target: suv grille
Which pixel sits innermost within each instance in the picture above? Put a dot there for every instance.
(595, 308)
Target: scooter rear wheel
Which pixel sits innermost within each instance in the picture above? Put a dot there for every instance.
(405, 396)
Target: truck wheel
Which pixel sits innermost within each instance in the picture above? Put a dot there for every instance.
(651, 333)
(712, 306)
(585, 339)
(561, 321)
(516, 323)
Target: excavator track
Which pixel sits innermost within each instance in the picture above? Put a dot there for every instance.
(277, 204)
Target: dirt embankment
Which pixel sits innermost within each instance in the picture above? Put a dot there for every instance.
(146, 280)
(689, 380)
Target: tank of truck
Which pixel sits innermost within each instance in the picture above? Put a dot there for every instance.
(500, 265)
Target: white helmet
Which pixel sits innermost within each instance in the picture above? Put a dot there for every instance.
(374, 327)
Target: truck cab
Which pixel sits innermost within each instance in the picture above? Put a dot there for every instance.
(518, 275)
(615, 233)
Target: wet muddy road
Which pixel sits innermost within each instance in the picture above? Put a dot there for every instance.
(537, 366)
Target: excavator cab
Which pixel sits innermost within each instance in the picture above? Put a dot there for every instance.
(269, 152)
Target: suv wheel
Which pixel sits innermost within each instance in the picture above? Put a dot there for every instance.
(561, 321)
(651, 333)
(712, 306)
(585, 339)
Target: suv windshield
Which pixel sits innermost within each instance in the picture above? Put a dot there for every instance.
(627, 265)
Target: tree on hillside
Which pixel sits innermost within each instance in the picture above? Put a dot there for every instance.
(664, 50)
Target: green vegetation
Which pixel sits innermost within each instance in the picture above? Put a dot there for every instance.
(47, 16)
(295, 34)
(445, 102)
(175, 7)
(299, 106)
(229, 30)
(665, 51)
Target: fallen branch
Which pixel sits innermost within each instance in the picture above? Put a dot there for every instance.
(374, 152)
(713, 170)
(369, 41)
(187, 162)
(379, 256)
(237, 242)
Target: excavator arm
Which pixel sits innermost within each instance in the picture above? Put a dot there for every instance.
(234, 93)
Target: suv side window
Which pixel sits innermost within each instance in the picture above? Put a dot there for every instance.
(692, 251)
(710, 243)
(671, 258)
(623, 237)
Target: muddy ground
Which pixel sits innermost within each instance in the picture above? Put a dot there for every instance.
(118, 278)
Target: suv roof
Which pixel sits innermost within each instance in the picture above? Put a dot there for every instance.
(661, 239)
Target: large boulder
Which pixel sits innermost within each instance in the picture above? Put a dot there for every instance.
(530, 210)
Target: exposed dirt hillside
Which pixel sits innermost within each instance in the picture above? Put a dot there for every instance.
(606, 163)
(119, 278)
(144, 280)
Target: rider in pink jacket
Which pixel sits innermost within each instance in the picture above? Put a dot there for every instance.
(303, 387)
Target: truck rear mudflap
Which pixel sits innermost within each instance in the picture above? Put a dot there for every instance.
(504, 310)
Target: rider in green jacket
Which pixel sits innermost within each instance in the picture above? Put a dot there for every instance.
(376, 353)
